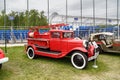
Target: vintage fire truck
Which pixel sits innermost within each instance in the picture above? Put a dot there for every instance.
(3, 59)
(61, 43)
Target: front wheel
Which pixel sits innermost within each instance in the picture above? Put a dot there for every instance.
(30, 53)
(0, 66)
(79, 60)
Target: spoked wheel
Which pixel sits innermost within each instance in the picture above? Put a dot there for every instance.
(30, 53)
(79, 60)
(0, 66)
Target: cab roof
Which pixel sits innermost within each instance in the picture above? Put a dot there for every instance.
(102, 33)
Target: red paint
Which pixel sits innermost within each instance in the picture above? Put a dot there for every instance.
(116, 44)
(1, 54)
(56, 42)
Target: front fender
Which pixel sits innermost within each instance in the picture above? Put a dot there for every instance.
(82, 49)
(33, 46)
(91, 50)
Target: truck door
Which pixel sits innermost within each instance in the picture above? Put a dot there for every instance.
(55, 41)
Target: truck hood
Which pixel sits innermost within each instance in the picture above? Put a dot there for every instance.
(75, 43)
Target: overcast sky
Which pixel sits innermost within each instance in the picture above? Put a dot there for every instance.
(59, 6)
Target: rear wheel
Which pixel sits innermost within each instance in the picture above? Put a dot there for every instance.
(30, 53)
(0, 66)
(79, 60)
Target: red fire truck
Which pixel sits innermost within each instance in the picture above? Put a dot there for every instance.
(61, 43)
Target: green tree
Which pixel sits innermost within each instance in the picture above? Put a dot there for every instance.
(33, 17)
(21, 18)
(2, 18)
(43, 19)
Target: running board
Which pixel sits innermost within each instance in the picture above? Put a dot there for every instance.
(47, 51)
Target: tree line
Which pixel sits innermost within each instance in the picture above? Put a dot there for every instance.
(27, 18)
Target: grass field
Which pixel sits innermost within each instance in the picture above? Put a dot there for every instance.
(20, 67)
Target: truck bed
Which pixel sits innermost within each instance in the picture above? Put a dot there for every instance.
(39, 42)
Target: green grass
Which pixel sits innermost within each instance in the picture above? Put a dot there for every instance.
(20, 67)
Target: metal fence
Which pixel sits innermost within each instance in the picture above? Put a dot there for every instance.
(20, 35)
(15, 35)
(84, 34)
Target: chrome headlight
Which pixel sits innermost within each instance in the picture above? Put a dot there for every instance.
(85, 43)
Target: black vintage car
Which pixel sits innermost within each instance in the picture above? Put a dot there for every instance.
(106, 42)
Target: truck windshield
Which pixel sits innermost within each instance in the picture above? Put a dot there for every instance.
(55, 34)
(67, 35)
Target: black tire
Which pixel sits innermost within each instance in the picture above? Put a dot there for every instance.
(100, 49)
(0, 66)
(79, 60)
(30, 53)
